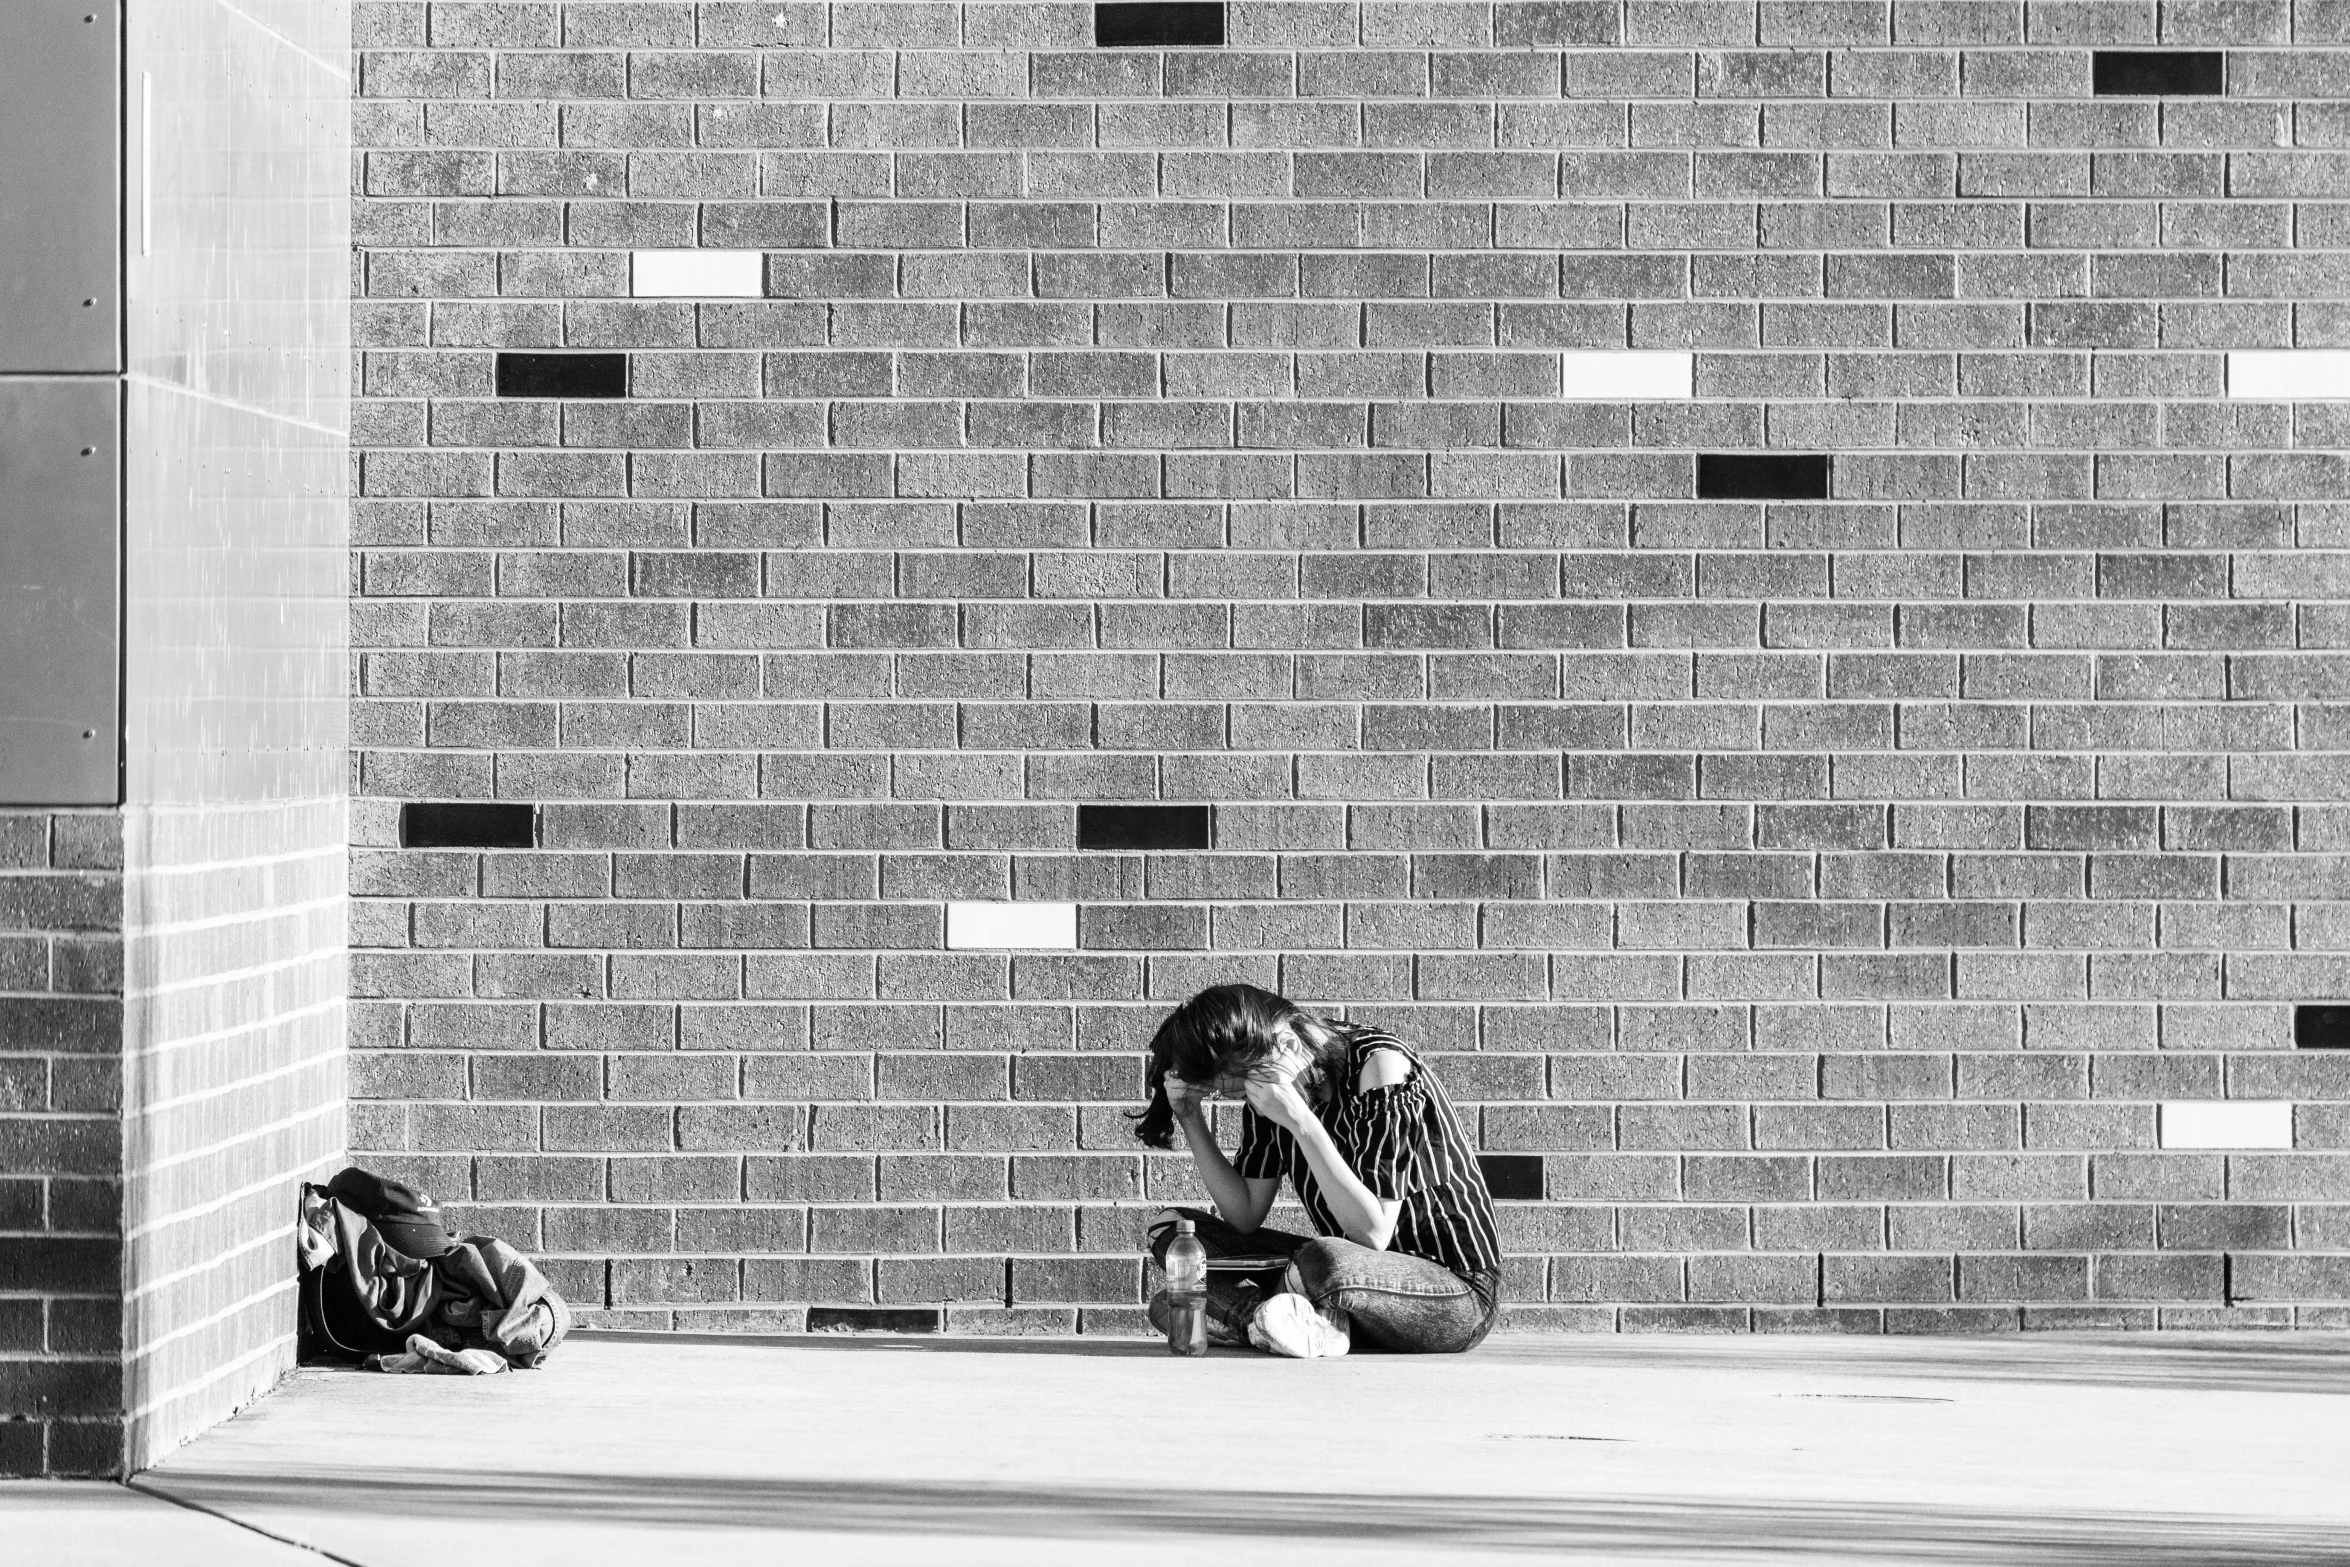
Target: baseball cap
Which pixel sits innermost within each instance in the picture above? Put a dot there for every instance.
(408, 1220)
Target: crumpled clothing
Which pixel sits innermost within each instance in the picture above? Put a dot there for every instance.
(494, 1298)
(481, 1294)
(425, 1358)
(397, 1291)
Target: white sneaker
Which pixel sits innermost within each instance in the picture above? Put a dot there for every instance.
(1291, 1325)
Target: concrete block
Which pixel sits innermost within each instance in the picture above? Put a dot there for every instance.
(697, 274)
(2297, 375)
(2227, 1123)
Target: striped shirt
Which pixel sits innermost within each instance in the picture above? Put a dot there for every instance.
(1404, 1143)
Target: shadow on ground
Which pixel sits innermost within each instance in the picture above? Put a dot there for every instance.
(933, 1343)
(2300, 1363)
(1627, 1528)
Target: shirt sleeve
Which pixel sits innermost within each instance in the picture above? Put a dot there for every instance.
(1261, 1155)
(1391, 1154)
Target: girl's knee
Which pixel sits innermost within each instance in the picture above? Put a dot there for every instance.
(1314, 1266)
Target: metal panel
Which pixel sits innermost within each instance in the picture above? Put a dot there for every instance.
(60, 637)
(60, 185)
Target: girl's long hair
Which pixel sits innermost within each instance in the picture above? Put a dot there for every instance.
(1224, 1030)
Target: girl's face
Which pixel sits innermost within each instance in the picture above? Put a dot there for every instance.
(1290, 1061)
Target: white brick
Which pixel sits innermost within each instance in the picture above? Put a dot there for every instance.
(1609, 373)
(2295, 373)
(1032, 926)
(2228, 1123)
(698, 274)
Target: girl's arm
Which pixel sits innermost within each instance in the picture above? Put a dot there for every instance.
(1242, 1201)
(1366, 1218)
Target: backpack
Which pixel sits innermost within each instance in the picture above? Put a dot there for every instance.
(335, 1326)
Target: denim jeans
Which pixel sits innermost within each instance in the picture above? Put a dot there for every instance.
(1407, 1305)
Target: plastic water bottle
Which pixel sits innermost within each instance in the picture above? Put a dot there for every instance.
(1187, 1293)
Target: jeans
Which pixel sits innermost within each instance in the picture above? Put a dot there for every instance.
(1407, 1305)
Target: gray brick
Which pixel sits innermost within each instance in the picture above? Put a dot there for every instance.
(1933, 831)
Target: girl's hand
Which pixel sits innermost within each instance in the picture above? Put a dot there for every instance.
(1189, 1101)
(1278, 1100)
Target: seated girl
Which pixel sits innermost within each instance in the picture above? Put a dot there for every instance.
(1407, 1258)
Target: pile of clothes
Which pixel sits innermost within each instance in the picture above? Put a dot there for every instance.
(386, 1284)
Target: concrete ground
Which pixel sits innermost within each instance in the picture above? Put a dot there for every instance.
(83, 1523)
(2150, 1452)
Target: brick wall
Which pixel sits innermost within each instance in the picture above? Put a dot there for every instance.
(1826, 889)
(234, 648)
(235, 1050)
(60, 1142)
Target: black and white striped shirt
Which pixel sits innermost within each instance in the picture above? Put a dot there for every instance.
(1404, 1143)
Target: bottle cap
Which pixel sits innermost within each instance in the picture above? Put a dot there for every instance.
(1183, 1227)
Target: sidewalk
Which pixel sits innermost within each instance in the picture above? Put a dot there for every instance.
(84, 1523)
(633, 1449)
